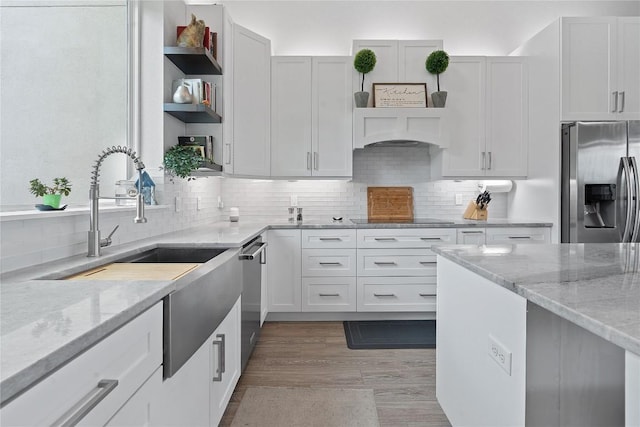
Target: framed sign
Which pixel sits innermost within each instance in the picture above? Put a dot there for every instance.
(400, 95)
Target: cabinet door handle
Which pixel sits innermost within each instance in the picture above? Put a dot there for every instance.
(484, 160)
(330, 263)
(219, 343)
(316, 160)
(384, 295)
(426, 295)
(473, 232)
(330, 239)
(228, 153)
(520, 237)
(615, 102)
(621, 101)
(385, 263)
(385, 239)
(308, 160)
(428, 262)
(489, 168)
(103, 389)
(329, 295)
(430, 239)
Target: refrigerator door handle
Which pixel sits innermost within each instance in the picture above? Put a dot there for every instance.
(636, 188)
(625, 168)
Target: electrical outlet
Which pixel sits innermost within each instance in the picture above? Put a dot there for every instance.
(500, 354)
(293, 200)
(178, 204)
(458, 199)
(198, 203)
(220, 204)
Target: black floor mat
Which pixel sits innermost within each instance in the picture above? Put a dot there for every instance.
(390, 334)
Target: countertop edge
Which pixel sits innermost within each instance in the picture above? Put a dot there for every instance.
(13, 386)
(594, 326)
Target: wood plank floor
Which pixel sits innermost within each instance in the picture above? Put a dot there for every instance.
(315, 354)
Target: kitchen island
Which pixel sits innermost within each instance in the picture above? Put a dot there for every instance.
(539, 334)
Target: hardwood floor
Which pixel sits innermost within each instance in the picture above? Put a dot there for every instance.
(315, 354)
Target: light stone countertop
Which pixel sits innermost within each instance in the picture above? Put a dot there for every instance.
(44, 322)
(596, 286)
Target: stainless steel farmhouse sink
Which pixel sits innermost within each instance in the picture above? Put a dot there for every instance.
(173, 255)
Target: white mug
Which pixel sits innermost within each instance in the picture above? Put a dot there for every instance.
(234, 214)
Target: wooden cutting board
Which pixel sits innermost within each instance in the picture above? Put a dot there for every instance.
(136, 271)
(390, 203)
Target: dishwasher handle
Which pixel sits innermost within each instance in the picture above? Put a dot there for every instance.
(250, 256)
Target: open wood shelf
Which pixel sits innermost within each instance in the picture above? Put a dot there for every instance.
(193, 60)
(192, 113)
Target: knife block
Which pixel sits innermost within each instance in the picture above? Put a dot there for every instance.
(474, 212)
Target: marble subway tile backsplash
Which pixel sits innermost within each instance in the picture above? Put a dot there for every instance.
(379, 166)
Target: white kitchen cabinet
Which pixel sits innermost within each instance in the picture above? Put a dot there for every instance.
(488, 113)
(225, 363)
(329, 270)
(112, 370)
(143, 408)
(600, 64)
(284, 271)
(512, 235)
(475, 316)
(199, 392)
(326, 293)
(311, 116)
(471, 236)
(251, 103)
(397, 61)
(396, 293)
(227, 92)
(396, 270)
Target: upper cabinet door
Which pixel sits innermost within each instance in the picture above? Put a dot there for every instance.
(589, 53)
(251, 103)
(412, 56)
(331, 116)
(507, 117)
(629, 67)
(464, 81)
(291, 116)
(386, 69)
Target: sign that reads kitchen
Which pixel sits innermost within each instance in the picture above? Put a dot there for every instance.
(400, 95)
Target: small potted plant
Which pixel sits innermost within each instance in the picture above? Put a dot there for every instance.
(51, 195)
(436, 63)
(364, 62)
(181, 161)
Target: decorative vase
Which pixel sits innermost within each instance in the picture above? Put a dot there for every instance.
(52, 200)
(439, 98)
(182, 95)
(362, 98)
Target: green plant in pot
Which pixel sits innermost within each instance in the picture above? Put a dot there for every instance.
(437, 62)
(181, 161)
(51, 195)
(364, 62)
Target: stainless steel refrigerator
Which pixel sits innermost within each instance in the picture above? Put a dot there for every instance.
(600, 182)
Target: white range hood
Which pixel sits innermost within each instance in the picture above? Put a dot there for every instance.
(399, 126)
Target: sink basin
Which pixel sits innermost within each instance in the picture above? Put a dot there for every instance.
(174, 255)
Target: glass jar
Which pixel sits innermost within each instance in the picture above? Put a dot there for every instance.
(126, 189)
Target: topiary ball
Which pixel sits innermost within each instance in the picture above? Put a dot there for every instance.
(364, 61)
(437, 62)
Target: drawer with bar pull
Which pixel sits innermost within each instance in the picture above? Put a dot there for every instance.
(328, 262)
(331, 238)
(329, 294)
(404, 238)
(396, 293)
(396, 262)
(513, 235)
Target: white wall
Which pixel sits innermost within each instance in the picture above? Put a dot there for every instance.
(466, 27)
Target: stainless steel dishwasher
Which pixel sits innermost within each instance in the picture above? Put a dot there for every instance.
(253, 255)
